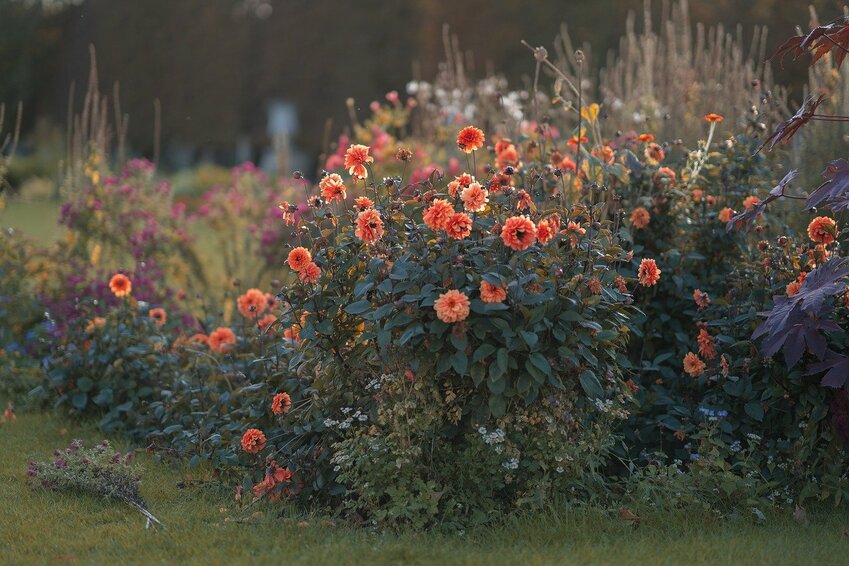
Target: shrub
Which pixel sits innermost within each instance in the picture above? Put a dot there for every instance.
(111, 367)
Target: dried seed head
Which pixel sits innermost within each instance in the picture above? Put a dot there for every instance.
(540, 54)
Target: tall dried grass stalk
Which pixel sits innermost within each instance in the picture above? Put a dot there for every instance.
(665, 81)
(91, 130)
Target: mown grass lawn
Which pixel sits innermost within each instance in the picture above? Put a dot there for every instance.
(42, 527)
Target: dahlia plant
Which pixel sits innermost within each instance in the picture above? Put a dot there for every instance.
(493, 283)
(424, 312)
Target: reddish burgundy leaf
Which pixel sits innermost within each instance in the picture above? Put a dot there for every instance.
(833, 36)
(791, 46)
(822, 39)
(787, 129)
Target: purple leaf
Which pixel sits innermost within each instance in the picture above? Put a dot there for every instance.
(824, 281)
(836, 185)
(748, 217)
(836, 367)
(778, 190)
(796, 324)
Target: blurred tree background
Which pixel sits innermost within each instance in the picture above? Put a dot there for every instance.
(216, 65)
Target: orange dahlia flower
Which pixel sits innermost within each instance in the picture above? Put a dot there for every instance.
(654, 153)
(458, 225)
(332, 188)
(281, 403)
(310, 273)
(665, 176)
(459, 183)
(288, 211)
(438, 214)
(253, 441)
(356, 159)
(221, 339)
(369, 226)
(95, 324)
(605, 154)
(574, 140)
(640, 218)
(518, 233)
(648, 273)
(573, 229)
(474, 197)
(158, 316)
(199, 338)
(121, 285)
(646, 137)
(818, 255)
(706, 345)
(693, 365)
(271, 301)
(452, 306)
(750, 202)
(823, 230)
(291, 334)
(567, 164)
(492, 293)
(713, 117)
(793, 288)
(524, 200)
(545, 231)
(621, 284)
(266, 323)
(470, 139)
(363, 203)
(725, 215)
(507, 156)
(299, 258)
(253, 302)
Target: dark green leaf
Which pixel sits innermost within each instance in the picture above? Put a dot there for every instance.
(358, 307)
(590, 384)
